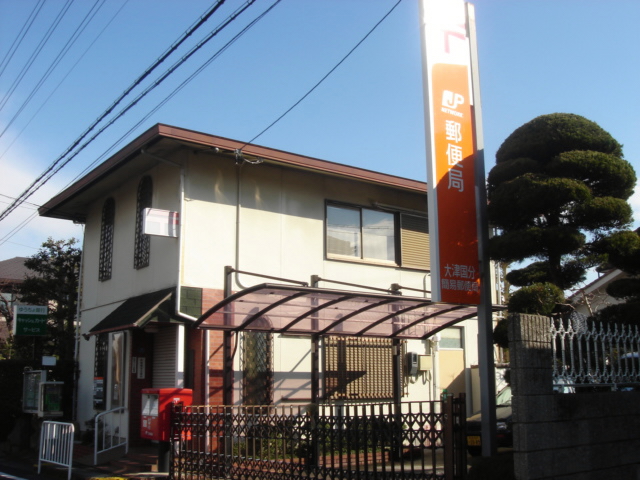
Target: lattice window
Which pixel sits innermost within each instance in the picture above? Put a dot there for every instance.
(257, 368)
(142, 241)
(106, 239)
(358, 368)
(100, 370)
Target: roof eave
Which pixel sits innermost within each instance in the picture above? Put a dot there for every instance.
(53, 208)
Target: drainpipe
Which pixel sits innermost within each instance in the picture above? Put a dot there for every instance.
(182, 221)
(76, 353)
(435, 346)
(177, 311)
(240, 161)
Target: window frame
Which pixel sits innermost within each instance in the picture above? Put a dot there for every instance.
(411, 233)
(460, 331)
(361, 258)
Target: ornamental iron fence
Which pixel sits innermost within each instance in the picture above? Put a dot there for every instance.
(416, 440)
(594, 356)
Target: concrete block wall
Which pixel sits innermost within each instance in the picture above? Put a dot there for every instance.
(586, 436)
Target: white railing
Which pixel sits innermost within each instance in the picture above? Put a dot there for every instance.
(594, 354)
(56, 445)
(110, 428)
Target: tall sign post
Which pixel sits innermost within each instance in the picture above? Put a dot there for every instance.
(460, 269)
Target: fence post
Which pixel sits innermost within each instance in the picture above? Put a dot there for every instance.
(531, 356)
(447, 438)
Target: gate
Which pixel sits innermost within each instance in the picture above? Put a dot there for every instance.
(412, 440)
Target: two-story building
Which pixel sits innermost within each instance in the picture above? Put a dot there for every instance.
(324, 268)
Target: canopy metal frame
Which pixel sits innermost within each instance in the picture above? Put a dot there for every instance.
(295, 308)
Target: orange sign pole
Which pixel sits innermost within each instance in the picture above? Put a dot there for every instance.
(456, 191)
(451, 153)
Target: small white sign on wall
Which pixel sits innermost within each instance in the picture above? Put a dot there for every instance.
(163, 223)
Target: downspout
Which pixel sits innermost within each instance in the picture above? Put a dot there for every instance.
(229, 351)
(180, 233)
(177, 311)
(435, 347)
(240, 161)
(76, 353)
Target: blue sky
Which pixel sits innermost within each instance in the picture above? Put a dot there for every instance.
(536, 57)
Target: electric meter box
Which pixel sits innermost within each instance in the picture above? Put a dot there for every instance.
(41, 397)
(156, 410)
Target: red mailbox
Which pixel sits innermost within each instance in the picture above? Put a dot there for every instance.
(156, 410)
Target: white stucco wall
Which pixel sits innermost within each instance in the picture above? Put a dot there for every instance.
(281, 225)
(278, 230)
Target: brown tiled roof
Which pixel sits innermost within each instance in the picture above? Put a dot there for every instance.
(13, 270)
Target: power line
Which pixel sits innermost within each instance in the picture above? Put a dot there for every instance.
(18, 227)
(36, 52)
(113, 17)
(38, 182)
(141, 95)
(323, 78)
(175, 91)
(56, 61)
(33, 205)
(18, 40)
(166, 99)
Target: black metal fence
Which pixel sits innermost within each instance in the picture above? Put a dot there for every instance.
(413, 440)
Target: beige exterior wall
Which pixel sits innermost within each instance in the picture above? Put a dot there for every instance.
(278, 230)
(281, 225)
(126, 281)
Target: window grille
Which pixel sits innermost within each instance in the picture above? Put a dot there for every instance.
(257, 368)
(106, 240)
(358, 368)
(142, 241)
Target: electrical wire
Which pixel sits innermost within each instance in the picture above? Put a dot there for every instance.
(42, 105)
(18, 227)
(176, 90)
(51, 172)
(36, 184)
(166, 99)
(21, 34)
(323, 78)
(157, 82)
(29, 205)
(56, 61)
(36, 52)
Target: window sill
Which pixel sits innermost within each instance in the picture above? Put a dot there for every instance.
(362, 261)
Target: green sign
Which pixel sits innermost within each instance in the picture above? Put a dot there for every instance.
(30, 320)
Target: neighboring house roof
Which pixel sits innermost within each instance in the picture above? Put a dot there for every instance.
(13, 270)
(162, 140)
(12, 273)
(594, 296)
